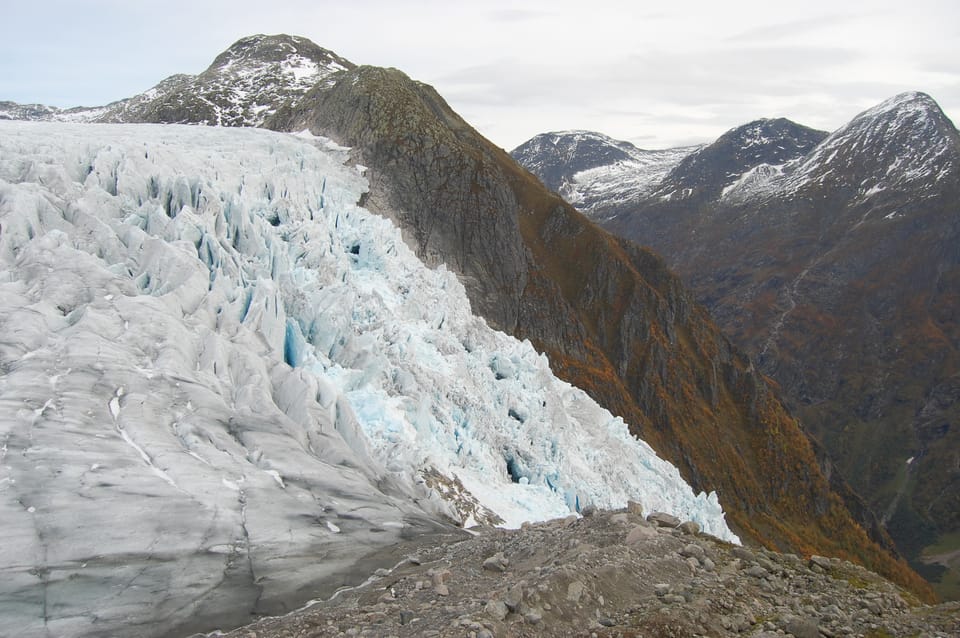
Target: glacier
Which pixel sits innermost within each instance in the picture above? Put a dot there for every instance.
(223, 383)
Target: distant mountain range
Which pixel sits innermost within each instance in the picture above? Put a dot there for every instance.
(610, 316)
(832, 260)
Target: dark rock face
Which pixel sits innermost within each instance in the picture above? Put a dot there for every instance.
(837, 271)
(609, 314)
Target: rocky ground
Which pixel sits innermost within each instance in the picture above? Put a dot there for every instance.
(613, 574)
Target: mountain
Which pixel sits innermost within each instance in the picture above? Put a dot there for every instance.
(244, 85)
(705, 173)
(589, 169)
(834, 267)
(609, 316)
(224, 385)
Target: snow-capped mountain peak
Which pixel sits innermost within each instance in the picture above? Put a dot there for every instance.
(242, 87)
(261, 60)
(903, 141)
(587, 168)
(712, 169)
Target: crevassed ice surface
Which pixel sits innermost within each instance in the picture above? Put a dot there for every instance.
(222, 383)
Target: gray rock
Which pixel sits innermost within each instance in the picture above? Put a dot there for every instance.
(496, 563)
(692, 550)
(820, 561)
(662, 589)
(756, 571)
(406, 615)
(440, 578)
(588, 511)
(803, 628)
(606, 622)
(620, 519)
(575, 591)
(690, 527)
(767, 564)
(496, 609)
(514, 596)
(634, 507)
(639, 534)
(533, 618)
(743, 554)
(662, 519)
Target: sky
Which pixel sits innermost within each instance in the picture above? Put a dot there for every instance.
(657, 74)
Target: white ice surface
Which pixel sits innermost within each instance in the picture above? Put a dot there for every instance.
(221, 378)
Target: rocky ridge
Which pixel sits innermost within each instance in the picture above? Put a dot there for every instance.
(612, 573)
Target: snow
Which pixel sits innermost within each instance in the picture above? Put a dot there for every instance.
(204, 333)
(758, 180)
(623, 181)
(902, 136)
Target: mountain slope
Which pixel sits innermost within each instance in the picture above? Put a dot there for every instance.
(609, 315)
(834, 269)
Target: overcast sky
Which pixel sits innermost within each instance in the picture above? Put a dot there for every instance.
(658, 74)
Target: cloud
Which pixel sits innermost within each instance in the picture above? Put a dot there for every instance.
(792, 29)
(516, 15)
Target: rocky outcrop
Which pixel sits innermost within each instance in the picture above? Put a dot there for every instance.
(610, 315)
(613, 574)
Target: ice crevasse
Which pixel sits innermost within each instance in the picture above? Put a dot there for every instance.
(198, 311)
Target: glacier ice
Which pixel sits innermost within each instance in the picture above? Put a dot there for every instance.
(222, 382)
